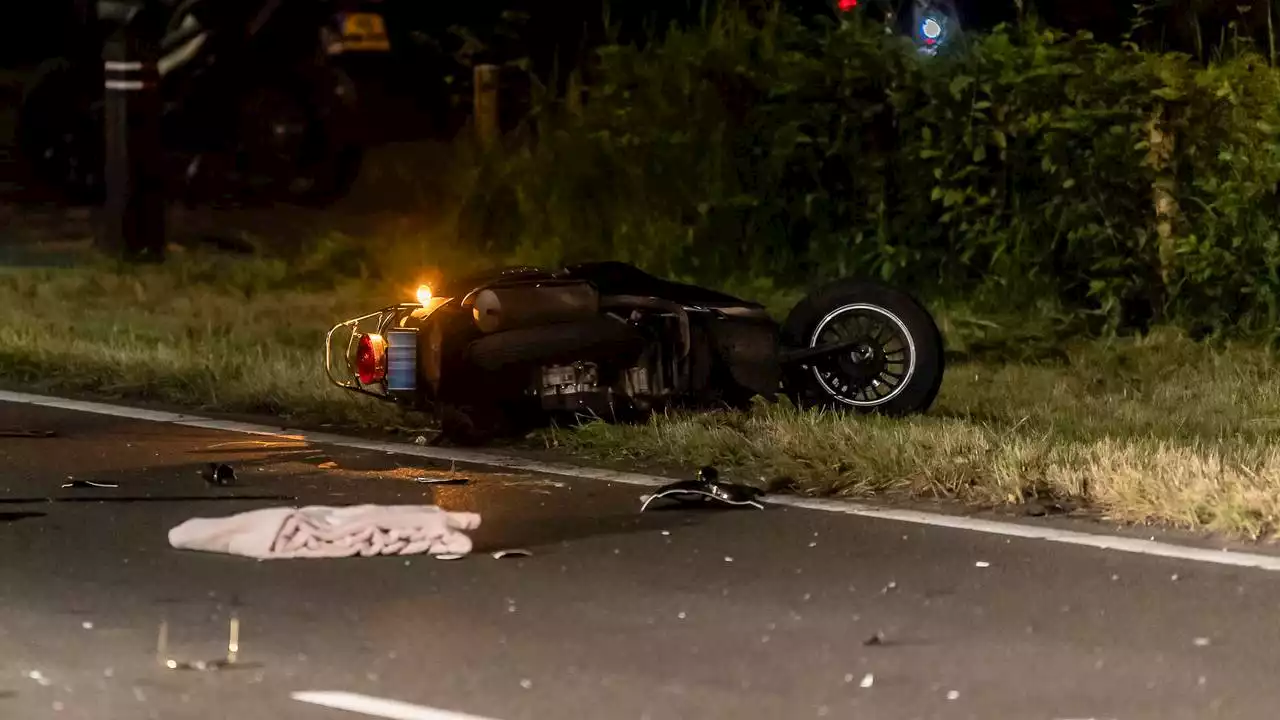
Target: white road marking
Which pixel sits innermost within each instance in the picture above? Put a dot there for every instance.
(509, 462)
(378, 707)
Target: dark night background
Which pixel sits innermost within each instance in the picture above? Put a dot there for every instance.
(36, 29)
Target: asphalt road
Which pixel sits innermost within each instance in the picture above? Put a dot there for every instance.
(674, 614)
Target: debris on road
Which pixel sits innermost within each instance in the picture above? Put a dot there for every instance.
(877, 639)
(708, 488)
(514, 552)
(867, 681)
(219, 474)
(232, 658)
(83, 484)
(893, 585)
(258, 445)
(330, 465)
(1201, 642)
(450, 556)
(329, 532)
(982, 564)
(953, 695)
(39, 678)
(13, 433)
(425, 480)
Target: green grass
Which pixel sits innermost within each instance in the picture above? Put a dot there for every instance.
(1158, 429)
(213, 335)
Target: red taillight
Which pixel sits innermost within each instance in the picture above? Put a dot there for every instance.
(848, 5)
(371, 359)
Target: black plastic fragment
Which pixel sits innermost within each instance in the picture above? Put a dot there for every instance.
(14, 433)
(708, 488)
(441, 480)
(219, 474)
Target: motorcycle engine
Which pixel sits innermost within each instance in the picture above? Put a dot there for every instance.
(577, 388)
(573, 388)
(609, 391)
(570, 380)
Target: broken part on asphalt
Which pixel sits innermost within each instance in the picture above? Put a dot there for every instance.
(232, 658)
(442, 480)
(219, 474)
(14, 433)
(85, 484)
(708, 488)
(513, 552)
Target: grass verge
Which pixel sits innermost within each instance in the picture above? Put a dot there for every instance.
(1157, 429)
(205, 334)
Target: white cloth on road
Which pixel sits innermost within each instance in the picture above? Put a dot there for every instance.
(330, 532)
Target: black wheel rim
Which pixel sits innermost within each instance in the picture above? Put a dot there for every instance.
(878, 367)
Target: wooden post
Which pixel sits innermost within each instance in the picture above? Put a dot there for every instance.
(134, 221)
(486, 104)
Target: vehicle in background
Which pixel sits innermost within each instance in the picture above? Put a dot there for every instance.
(254, 106)
(931, 24)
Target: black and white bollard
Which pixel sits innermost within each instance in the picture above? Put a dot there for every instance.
(133, 221)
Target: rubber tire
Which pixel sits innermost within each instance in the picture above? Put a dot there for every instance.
(596, 339)
(922, 389)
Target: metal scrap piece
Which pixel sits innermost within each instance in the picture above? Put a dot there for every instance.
(232, 658)
(513, 552)
(81, 484)
(441, 480)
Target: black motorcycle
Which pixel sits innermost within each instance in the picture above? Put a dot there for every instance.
(509, 350)
(254, 106)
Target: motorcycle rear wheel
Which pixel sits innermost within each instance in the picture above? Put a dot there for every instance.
(895, 366)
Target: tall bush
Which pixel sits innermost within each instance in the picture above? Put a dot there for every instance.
(1022, 161)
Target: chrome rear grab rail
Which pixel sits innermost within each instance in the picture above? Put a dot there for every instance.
(352, 326)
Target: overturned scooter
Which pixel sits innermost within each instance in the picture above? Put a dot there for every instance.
(511, 350)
